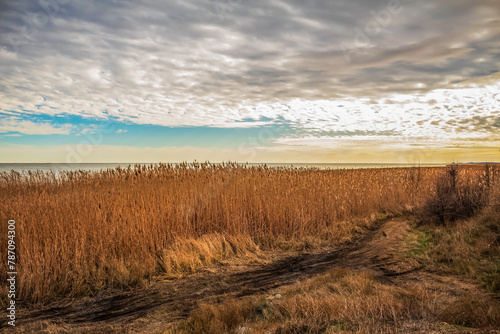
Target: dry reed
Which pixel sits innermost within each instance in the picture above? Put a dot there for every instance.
(81, 232)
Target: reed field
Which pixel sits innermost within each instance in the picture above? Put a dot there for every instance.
(78, 233)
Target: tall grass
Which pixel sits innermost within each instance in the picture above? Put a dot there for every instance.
(80, 232)
(466, 247)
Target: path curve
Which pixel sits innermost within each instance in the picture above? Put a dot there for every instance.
(373, 250)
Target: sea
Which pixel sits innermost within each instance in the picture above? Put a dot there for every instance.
(58, 167)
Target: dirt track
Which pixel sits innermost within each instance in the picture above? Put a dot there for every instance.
(376, 250)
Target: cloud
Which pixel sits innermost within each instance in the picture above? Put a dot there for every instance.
(13, 124)
(190, 64)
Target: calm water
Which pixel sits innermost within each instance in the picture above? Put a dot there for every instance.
(20, 167)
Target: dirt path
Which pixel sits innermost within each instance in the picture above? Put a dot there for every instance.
(377, 250)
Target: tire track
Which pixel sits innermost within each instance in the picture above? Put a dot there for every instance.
(179, 297)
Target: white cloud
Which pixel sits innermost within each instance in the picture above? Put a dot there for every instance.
(178, 64)
(13, 124)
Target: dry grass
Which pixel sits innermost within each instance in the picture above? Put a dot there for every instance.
(354, 301)
(82, 232)
(467, 247)
(346, 301)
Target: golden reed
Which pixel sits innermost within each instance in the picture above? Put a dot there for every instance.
(80, 232)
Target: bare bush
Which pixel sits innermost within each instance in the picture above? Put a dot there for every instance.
(460, 193)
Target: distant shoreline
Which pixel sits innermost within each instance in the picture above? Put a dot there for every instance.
(7, 167)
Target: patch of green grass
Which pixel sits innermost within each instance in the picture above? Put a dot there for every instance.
(468, 248)
(491, 280)
(337, 326)
(419, 242)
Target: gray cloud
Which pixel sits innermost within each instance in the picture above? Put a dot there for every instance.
(187, 63)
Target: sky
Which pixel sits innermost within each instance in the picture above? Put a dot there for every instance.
(347, 81)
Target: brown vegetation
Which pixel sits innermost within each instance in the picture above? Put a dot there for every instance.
(347, 301)
(460, 193)
(437, 298)
(82, 232)
(466, 247)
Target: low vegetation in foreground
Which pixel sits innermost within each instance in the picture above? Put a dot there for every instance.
(455, 290)
(82, 233)
(347, 301)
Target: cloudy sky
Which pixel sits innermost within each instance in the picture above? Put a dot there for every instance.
(257, 81)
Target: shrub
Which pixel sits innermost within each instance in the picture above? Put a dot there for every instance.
(459, 194)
